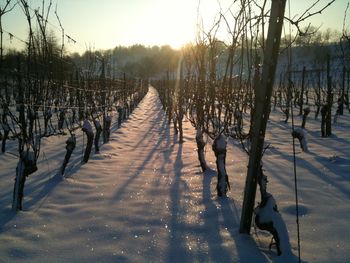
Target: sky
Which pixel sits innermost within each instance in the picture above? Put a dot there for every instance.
(105, 24)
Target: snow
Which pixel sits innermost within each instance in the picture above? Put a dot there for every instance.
(267, 214)
(302, 134)
(143, 198)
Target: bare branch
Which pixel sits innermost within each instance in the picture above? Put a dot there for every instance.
(307, 15)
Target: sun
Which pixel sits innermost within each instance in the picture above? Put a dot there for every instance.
(173, 22)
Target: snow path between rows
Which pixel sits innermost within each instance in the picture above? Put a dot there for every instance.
(142, 199)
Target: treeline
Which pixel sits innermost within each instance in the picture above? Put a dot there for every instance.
(137, 60)
(155, 61)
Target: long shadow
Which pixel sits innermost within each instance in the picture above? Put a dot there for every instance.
(115, 126)
(31, 197)
(160, 118)
(313, 170)
(225, 217)
(7, 214)
(41, 195)
(315, 135)
(152, 152)
(177, 251)
(39, 190)
(156, 104)
(217, 253)
(284, 180)
(246, 247)
(316, 171)
(332, 147)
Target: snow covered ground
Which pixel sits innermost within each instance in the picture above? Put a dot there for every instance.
(143, 198)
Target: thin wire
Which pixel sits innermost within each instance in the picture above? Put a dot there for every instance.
(82, 150)
(294, 158)
(295, 184)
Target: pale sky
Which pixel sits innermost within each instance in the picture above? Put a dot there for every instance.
(104, 24)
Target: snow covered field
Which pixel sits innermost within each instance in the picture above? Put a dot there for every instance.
(143, 198)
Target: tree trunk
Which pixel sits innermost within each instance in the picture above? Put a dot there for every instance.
(262, 110)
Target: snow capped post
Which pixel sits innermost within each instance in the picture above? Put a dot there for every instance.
(300, 135)
(200, 149)
(219, 148)
(268, 218)
(87, 128)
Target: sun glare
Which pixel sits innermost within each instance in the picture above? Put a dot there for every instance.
(171, 23)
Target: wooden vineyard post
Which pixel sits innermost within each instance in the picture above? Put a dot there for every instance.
(342, 100)
(124, 97)
(180, 113)
(329, 99)
(262, 110)
(301, 98)
(169, 99)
